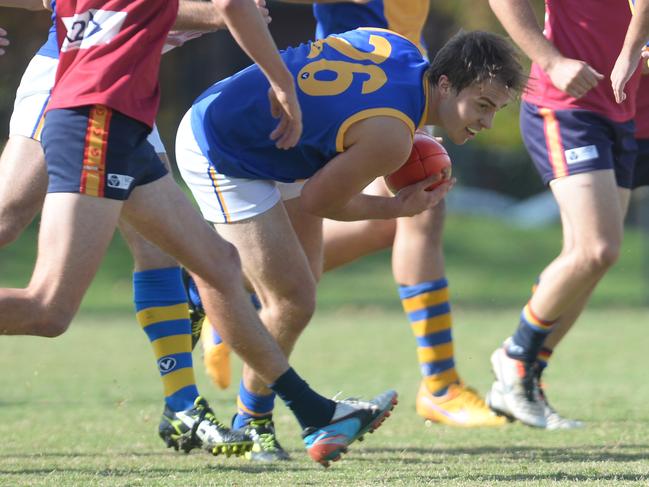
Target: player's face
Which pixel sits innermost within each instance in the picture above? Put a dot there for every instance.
(466, 113)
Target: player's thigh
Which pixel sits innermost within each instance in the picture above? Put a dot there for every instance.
(272, 257)
(75, 232)
(147, 256)
(23, 182)
(308, 228)
(590, 207)
(248, 213)
(163, 215)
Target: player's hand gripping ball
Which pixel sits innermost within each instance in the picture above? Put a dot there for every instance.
(428, 157)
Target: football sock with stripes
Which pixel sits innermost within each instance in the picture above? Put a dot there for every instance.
(429, 312)
(529, 337)
(162, 311)
(252, 406)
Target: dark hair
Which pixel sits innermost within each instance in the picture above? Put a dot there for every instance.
(474, 57)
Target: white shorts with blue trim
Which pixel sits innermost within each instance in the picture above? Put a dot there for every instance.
(224, 199)
(32, 97)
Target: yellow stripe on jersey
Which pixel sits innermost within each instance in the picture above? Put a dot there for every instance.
(156, 314)
(426, 89)
(425, 300)
(407, 18)
(371, 112)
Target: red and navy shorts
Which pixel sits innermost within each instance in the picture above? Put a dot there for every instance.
(566, 142)
(641, 170)
(96, 151)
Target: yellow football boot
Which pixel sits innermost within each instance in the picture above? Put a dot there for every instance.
(216, 358)
(460, 406)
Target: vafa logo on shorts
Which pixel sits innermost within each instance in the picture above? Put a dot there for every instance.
(581, 154)
(118, 181)
(91, 28)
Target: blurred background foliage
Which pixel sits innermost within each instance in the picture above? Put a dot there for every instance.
(495, 160)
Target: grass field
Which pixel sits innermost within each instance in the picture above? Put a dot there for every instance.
(83, 409)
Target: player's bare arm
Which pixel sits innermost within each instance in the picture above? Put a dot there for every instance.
(204, 16)
(249, 29)
(636, 38)
(373, 147)
(572, 76)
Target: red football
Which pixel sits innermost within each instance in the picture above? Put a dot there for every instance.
(427, 157)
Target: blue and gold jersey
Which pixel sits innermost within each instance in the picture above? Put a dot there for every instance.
(340, 80)
(407, 17)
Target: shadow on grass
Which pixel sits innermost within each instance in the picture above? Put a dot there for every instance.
(219, 468)
(580, 453)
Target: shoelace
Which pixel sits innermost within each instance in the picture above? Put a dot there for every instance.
(354, 401)
(267, 439)
(205, 413)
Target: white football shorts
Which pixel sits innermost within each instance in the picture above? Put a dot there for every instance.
(32, 97)
(224, 199)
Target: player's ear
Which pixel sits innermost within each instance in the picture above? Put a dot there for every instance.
(444, 85)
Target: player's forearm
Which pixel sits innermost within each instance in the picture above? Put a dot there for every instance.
(637, 35)
(520, 22)
(249, 29)
(197, 15)
(360, 207)
(26, 4)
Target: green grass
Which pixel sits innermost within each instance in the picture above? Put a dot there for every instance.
(489, 264)
(83, 409)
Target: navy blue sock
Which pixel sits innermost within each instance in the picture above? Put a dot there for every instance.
(310, 408)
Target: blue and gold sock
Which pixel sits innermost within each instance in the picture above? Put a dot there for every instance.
(429, 312)
(161, 306)
(252, 406)
(529, 337)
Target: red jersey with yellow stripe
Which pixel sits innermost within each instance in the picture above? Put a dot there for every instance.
(110, 54)
(592, 31)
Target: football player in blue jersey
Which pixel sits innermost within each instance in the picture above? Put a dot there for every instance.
(363, 94)
(417, 253)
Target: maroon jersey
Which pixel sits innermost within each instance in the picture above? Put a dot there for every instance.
(642, 113)
(110, 54)
(592, 31)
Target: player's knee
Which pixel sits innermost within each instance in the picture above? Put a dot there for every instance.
(383, 232)
(598, 257)
(226, 269)
(293, 309)
(604, 254)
